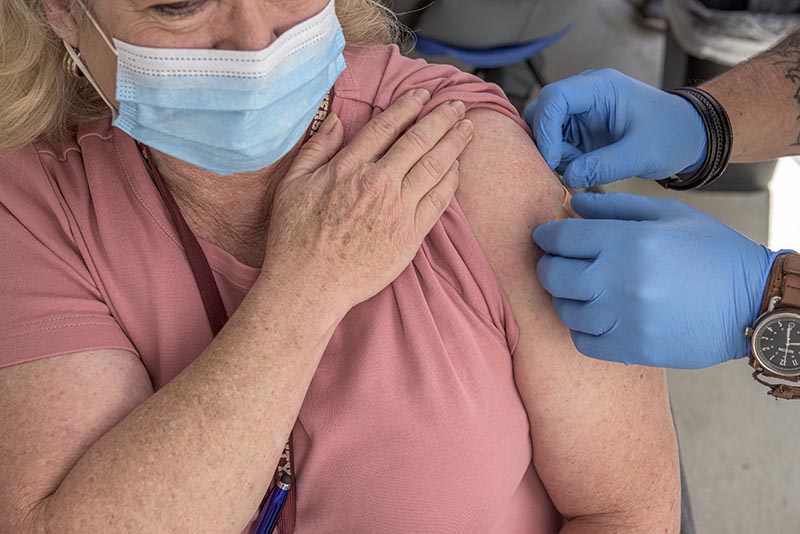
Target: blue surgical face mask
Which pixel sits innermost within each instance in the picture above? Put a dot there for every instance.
(227, 111)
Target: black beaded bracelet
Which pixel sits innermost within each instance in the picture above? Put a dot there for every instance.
(720, 141)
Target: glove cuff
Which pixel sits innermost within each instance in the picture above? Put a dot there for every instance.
(720, 141)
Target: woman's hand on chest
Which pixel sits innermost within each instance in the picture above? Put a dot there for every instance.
(347, 222)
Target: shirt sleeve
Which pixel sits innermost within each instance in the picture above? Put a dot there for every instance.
(51, 305)
(444, 83)
(456, 253)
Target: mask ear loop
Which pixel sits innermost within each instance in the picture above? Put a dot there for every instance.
(97, 26)
(79, 62)
(77, 59)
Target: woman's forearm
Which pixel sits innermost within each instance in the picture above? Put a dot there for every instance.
(762, 98)
(199, 454)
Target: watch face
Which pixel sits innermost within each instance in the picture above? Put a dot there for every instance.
(776, 343)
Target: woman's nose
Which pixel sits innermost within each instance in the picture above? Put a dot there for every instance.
(249, 26)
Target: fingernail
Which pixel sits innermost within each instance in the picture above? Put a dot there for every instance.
(421, 94)
(466, 127)
(329, 124)
(459, 105)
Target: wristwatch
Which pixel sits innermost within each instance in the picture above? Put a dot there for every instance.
(775, 337)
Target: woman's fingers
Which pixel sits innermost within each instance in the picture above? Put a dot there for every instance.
(435, 201)
(355, 219)
(320, 149)
(422, 138)
(428, 171)
(374, 139)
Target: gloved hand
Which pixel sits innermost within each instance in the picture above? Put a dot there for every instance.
(651, 281)
(602, 126)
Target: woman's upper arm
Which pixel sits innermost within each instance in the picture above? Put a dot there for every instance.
(52, 410)
(603, 440)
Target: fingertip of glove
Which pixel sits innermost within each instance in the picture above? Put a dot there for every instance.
(548, 151)
(575, 174)
(540, 232)
(584, 200)
(572, 182)
(553, 162)
(529, 112)
(537, 233)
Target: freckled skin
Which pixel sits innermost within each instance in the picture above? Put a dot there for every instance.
(636, 486)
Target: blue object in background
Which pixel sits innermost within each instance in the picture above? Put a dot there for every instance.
(489, 58)
(515, 68)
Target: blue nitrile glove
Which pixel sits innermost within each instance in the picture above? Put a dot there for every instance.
(652, 281)
(602, 126)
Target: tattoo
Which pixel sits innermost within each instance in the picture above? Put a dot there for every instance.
(786, 54)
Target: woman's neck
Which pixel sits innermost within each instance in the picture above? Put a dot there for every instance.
(233, 211)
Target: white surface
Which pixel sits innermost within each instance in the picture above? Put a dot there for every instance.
(740, 451)
(713, 41)
(784, 220)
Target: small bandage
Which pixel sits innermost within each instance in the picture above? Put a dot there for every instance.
(566, 207)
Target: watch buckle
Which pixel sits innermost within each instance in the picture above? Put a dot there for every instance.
(779, 391)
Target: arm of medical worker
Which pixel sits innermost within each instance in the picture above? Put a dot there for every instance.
(603, 441)
(602, 126)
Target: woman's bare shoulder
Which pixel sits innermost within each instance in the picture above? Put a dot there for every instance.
(625, 470)
(506, 190)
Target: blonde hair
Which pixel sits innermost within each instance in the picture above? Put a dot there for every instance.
(38, 99)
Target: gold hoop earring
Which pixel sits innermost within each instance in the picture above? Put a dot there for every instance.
(71, 68)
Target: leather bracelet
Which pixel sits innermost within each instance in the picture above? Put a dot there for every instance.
(719, 134)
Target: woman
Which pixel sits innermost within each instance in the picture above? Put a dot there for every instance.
(365, 318)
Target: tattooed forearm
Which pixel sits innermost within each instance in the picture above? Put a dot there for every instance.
(786, 55)
(762, 98)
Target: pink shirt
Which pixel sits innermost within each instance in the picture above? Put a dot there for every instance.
(412, 422)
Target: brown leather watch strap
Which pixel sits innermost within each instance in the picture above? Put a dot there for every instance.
(779, 391)
(783, 282)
